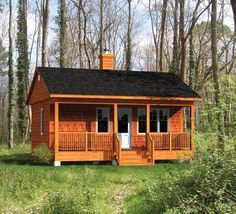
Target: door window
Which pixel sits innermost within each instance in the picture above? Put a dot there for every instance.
(123, 123)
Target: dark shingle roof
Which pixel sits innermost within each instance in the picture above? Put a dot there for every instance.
(118, 83)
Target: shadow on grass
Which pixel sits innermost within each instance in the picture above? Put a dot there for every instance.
(21, 159)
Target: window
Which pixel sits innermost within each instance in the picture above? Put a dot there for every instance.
(102, 119)
(163, 117)
(41, 121)
(153, 120)
(141, 120)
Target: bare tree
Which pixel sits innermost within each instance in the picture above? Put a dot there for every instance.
(46, 11)
(101, 26)
(128, 48)
(163, 26)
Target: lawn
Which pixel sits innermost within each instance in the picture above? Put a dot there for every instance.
(28, 187)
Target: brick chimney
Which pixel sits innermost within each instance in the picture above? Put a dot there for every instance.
(106, 61)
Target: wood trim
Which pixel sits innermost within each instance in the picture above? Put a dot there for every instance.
(147, 118)
(122, 97)
(192, 114)
(56, 121)
(123, 104)
(115, 122)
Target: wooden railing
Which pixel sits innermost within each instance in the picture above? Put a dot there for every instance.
(150, 147)
(51, 140)
(139, 141)
(117, 147)
(161, 141)
(171, 141)
(99, 141)
(72, 141)
(181, 141)
(85, 141)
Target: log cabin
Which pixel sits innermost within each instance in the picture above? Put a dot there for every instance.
(126, 117)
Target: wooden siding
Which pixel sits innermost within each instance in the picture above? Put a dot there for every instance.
(38, 91)
(173, 155)
(37, 138)
(84, 156)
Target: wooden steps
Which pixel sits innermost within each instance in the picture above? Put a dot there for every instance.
(134, 158)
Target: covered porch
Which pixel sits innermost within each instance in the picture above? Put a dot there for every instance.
(105, 131)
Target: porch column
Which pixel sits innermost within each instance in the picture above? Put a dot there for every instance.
(115, 122)
(147, 118)
(56, 146)
(192, 109)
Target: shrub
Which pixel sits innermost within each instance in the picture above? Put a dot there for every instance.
(42, 153)
(208, 187)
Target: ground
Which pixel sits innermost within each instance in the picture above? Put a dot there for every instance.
(28, 187)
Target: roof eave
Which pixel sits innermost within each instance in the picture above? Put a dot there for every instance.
(124, 97)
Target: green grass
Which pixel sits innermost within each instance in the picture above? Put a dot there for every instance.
(26, 186)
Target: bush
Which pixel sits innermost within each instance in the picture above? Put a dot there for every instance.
(208, 187)
(42, 153)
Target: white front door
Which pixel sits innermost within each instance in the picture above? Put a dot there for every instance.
(124, 127)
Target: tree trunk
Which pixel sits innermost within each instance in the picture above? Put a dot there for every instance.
(10, 82)
(175, 58)
(215, 72)
(22, 68)
(101, 26)
(182, 39)
(128, 48)
(163, 25)
(62, 26)
(46, 8)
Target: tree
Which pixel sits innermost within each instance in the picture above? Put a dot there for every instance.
(215, 71)
(46, 8)
(182, 39)
(163, 26)
(101, 25)
(62, 36)
(128, 49)
(175, 59)
(10, 81)
(22, 69)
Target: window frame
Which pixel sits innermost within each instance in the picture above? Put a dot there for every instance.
(158, 118)
(108, 118)
(138, 113)
(41, 121)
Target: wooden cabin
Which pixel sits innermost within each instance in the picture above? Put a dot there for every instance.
(127, 117)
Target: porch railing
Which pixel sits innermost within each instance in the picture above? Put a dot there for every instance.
(150, 147)
(93, 141)
(171, 141)
(117, 147)
(85, 141)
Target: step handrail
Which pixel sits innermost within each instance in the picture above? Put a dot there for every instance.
(150, 146)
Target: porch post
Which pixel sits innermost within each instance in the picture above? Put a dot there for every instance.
(115, 122)
(147, 118)
(56, 110)
(192, 109)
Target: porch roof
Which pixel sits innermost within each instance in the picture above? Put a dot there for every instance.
(114, 83)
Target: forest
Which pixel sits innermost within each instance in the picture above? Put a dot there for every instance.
(195, 39)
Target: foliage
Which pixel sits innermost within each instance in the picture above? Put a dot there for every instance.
(42, 153)
(208, 187)
(22, 68)
(228, 102)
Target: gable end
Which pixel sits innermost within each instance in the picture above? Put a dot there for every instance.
(38, 91)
